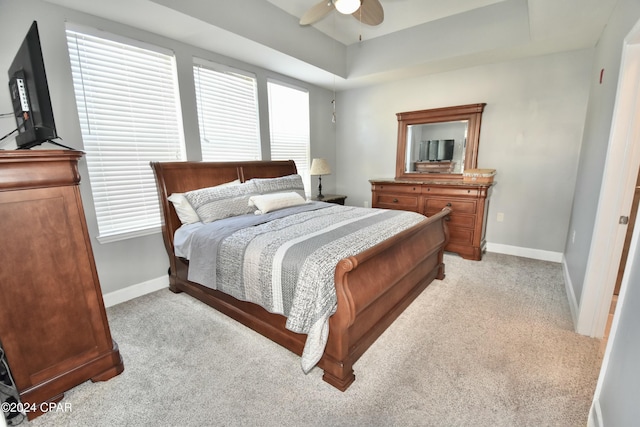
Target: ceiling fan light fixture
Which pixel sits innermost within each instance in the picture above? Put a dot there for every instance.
(346, 7)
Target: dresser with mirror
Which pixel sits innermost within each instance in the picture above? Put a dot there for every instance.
(435, 148)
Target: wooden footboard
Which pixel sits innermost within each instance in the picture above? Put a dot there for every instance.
(373, 287)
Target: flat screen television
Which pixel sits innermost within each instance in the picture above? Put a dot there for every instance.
(30, 93)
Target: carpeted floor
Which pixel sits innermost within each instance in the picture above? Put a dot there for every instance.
(491, 345)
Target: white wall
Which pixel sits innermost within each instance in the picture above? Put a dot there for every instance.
(141, 260)
(531, 133)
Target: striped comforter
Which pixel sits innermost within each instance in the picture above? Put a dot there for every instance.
(285, 261)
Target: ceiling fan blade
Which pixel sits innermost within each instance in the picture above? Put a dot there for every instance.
(317, 12)
(370, 12)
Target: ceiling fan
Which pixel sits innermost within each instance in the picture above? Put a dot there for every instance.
(366, 11)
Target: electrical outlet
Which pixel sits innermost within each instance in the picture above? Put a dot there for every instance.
(500, 217)
(366, 204)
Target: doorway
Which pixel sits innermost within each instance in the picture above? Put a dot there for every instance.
(623, 262)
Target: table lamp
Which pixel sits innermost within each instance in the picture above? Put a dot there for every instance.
(319, 167)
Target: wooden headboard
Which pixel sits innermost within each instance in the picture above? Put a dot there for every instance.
(180, 177)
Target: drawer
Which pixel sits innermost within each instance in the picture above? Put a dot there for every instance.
(396, 201)
(458, 206)
(395, 188)
(460, 236)
(462, 221)
(451, 192)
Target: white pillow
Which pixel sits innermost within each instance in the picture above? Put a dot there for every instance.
(227, 184)
(184, 210)
(274, 201)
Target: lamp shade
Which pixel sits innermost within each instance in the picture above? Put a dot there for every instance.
(319, 167)
(347, 7)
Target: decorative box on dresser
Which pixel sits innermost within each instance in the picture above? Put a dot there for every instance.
(469, 203)
(53, 324)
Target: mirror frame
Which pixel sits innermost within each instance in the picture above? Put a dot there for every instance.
(470, 112)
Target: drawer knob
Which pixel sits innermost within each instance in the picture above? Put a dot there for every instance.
(447, 218)
(449, 204)
(395, 200)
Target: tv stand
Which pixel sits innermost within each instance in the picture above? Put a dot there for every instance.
(53, 324)
(30, 146)
(58, 144)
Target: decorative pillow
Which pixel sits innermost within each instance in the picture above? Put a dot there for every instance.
(280, 184)
(184, 210)
(220, 202)
(274, 201)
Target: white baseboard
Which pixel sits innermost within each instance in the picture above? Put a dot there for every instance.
(595, 415)
(134, 291)
(571, 296)
(525, 252)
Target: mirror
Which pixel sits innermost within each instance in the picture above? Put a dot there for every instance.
(439, 143)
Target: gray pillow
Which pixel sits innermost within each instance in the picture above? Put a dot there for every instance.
(280, 185)
(220, 202)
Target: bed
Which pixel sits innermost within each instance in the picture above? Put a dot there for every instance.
(372, 287)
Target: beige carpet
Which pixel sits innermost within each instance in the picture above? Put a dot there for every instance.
(491, 345)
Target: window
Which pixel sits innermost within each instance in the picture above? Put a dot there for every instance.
(129, 115)
(227, 114)
(289, 127)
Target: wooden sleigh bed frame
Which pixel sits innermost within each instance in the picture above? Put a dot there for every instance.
(373, 288)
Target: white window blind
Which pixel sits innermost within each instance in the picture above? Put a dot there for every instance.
(129, 115)
(227, 104)
(289, 127)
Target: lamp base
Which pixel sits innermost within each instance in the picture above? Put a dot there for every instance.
(320, 196)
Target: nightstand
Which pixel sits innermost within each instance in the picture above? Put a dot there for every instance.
(338, 199)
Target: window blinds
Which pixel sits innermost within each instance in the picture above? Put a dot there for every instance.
(129, 115)
(289, 127)
(227, 115)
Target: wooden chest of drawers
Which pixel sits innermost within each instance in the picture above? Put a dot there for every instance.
(53, 324)
(469, 203)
